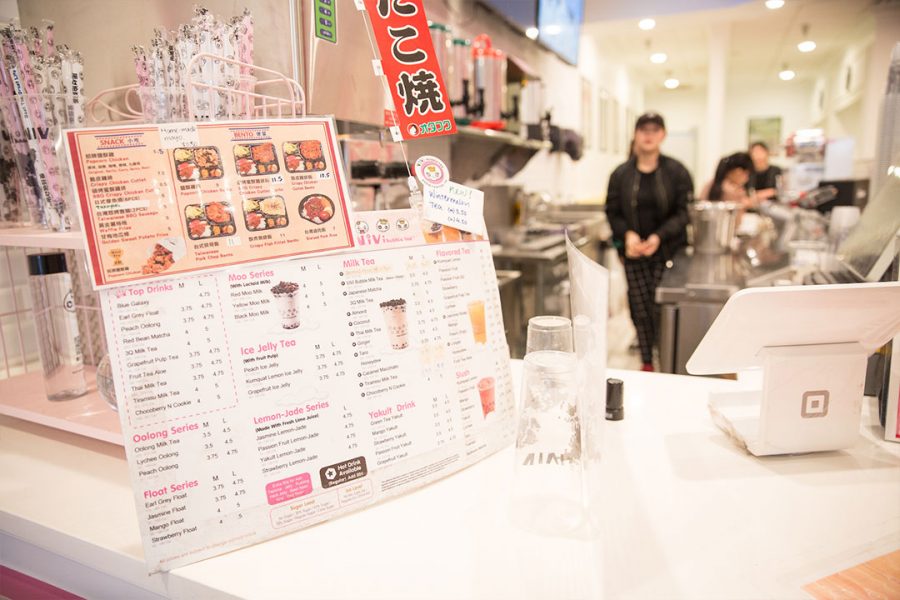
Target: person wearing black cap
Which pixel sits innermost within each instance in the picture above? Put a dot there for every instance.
(646, 204)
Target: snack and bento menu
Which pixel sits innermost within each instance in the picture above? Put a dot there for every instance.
(259, 400)
(159, 200)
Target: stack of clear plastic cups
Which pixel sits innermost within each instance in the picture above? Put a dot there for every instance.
(547, 488)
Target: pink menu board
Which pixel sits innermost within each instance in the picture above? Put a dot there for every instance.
(162, 200)
(259, 400)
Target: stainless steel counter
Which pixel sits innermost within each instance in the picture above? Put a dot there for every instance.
(692, 293)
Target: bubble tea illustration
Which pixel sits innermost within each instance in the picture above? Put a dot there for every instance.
(395, 318)
(286, 302)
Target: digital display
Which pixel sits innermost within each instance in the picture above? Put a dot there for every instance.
(519, 13)
(559, 27)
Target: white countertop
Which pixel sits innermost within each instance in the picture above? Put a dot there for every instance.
(687, 514)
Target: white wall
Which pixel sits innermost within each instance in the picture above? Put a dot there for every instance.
(684, 110)
(9, 9)
(585, 180)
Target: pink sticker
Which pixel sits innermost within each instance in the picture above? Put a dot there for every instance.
(288, 489)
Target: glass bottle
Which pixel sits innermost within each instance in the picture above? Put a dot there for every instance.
(59, 341)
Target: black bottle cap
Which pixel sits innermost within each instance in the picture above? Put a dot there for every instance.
(47, 264)
(615, 411)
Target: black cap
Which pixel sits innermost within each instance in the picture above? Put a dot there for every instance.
(47, 264)
(648, 118)
(615, 410)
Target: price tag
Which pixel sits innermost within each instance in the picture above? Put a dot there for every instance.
(455, 205)
(179, 135)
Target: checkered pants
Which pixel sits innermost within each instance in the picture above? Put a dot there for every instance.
(643, 276)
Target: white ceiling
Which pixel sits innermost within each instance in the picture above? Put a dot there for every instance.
(761, 40)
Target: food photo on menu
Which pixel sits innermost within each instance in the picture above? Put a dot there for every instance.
(255, 159)
(163, 255)
(303, 156)
(202, 163)
(267, 212)
(316, 208)
(211, 220)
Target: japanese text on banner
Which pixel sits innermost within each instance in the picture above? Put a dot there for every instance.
(411, 68)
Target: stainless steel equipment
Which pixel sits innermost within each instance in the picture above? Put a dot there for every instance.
(531, 107)
(442, 39)
(691, 295)
(539, 252)
(510, 286)
(459, 77)
(714, 225)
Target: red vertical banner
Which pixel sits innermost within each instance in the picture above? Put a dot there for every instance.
(411, 68)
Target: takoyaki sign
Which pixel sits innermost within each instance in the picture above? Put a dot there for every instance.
(410, 65)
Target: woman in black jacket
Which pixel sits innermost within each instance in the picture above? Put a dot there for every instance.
(646, 205)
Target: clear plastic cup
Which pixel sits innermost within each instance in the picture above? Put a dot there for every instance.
(547, 488)
(549, 333)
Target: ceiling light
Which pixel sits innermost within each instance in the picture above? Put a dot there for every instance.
(786, 74)
(807, 45)
(647, 24)
(553, 29)
(774, 4)
(531, 33)
(671, 83)
(658, 58)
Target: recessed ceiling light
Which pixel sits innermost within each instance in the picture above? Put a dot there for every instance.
(807, 45)
(658, 58)
(671, 83)
(531, 33)
(553, 29)
(786, 74)
(647, 24)
(774, 4)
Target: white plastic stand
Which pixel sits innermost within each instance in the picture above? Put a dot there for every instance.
(811, 345)
(810, 401)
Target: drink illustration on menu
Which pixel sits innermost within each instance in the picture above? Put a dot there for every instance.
(169, 199)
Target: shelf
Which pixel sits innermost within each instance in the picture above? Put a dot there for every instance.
(32, 237)
(502, 137)
(23, 397)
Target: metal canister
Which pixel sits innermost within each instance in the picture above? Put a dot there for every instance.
(442, 39)
(459, 81)
(490, 81)
(531, 106)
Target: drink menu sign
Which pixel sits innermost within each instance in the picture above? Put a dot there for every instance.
(259, 400)
(161, 200)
